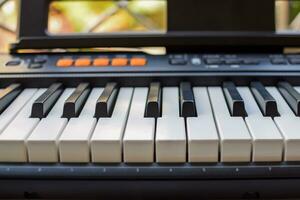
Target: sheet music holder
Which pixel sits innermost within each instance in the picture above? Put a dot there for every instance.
(241, 24)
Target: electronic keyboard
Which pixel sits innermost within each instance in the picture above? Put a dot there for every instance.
(79, 123)
(214, 114)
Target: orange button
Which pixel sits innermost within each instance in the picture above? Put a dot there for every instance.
(138, 61)
(64, 62)
(119, 62)
(101, 62)
(83, 62)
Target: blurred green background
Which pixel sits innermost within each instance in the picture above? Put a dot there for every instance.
(67, 17)
(107, 16)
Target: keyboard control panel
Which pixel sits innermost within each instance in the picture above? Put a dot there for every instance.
(136, 62)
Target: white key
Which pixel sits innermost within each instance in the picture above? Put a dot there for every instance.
(203, 139)
(138, 141)
(267, 145)
(106, 141)
(170, 130)
(14, 108)
(289, 126)
(235, 140)
(12, 139)
(297, 88)
(42, 142)
(74, 141)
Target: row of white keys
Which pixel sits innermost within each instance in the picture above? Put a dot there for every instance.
(138, 141)
(42, 142)
(73, 143)
(170, 130)
(235, 140)
(203, 139)
(106, 141)
(12, 139)
(267, 142)
(13, 109)
(289, 126)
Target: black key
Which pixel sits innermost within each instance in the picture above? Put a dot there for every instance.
(75, 102)
(153, 106)
(291, 96)
(8, 95)
(106, 102)
(266, 102)
(187, 101)
(234, 100)
(46, 101)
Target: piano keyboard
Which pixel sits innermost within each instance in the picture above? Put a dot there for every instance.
(155, 124)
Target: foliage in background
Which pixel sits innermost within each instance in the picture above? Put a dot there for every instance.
(107, 16)
(80, 16)
(8, 23)
(294, 10)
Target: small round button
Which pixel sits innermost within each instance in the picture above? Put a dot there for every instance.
(196, 61)
(101, 62)
(64, 62)
(13, 63)
(119, 62)
(136, 61)
(83, 62)
(35, 66)
(40, 59)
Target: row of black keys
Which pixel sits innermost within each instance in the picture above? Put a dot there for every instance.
(264, 99)
(105, 103)
(72, 106)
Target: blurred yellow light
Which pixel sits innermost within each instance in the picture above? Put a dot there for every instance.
(149, 6)
(9, 7)
(56, 25)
